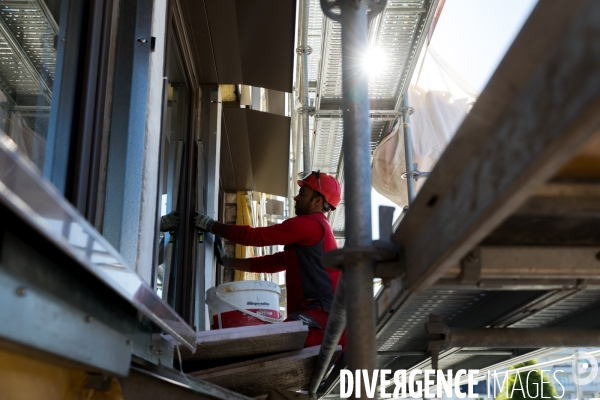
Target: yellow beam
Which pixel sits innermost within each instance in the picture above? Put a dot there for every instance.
(24, 378)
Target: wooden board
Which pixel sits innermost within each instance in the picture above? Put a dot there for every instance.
(586, 164)
(560, 213)
(290, 371)
(247, 341)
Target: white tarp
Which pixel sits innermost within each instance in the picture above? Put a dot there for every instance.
(441, 100)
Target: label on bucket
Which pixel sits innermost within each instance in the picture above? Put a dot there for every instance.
(254, 303)
(234, 319)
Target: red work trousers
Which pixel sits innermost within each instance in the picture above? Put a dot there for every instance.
(315, 336)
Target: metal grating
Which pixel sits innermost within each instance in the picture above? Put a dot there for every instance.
(314, 39)
(455, 358)
(378, 128)
(328, 145)
(406, 3)
(563, 308)
(407, 328)
(27, 54)
(395, 40)
(311, 119)
(338, 223)
(13, 78)
(331, 84)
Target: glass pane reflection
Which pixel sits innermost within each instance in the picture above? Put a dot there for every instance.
(28, 32)
(40, 205)
(176, 141)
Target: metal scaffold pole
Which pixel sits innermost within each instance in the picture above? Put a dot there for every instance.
(333, 333)
(358, 266)
(408, 149)
(358, 275)
(303, 51)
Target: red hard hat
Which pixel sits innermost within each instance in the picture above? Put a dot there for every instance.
(325, 184)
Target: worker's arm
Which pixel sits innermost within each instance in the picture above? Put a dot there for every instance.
(305, 231)
(222, 230)
(268, 264)
(241, 264)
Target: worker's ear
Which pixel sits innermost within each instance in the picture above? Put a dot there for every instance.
(320, 202)
(314, 200)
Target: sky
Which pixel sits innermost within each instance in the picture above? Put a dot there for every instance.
(472, 36)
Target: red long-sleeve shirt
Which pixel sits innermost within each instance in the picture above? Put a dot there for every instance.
(305, 231)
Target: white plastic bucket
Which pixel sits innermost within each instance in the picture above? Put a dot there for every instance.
(243, 303)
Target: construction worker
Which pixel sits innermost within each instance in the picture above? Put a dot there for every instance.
(306, 237)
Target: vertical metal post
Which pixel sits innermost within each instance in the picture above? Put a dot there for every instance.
(576, 373)
(304, 51)
(358, 275)
(210, 130)
(256, 99)
(299, 140)
(127, 143)
(408, 157)
(200, 317)
(59, 158)
(295, 156)
(305, 114)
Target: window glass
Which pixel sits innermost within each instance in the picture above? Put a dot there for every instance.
(176, 138)
(28, 34)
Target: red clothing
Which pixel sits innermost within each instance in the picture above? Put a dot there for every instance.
(304, 237)
(315, 336)
(304, 230)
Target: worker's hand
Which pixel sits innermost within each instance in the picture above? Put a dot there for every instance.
(169, 222)
(222, 257)
(203, 222)
(227, 262)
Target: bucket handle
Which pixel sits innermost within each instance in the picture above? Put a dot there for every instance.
(250, 313)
